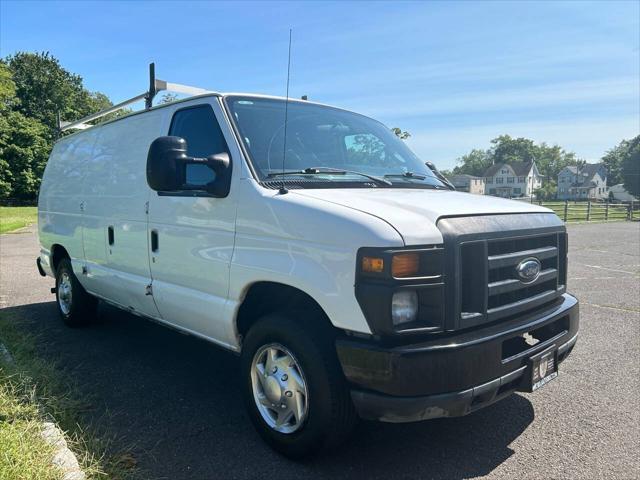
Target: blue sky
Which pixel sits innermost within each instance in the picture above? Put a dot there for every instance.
(454, 74)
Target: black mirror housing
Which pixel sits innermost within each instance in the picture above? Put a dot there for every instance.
(220, 163)
(166, 163)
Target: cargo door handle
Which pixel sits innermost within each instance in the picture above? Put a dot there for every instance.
(111, 235)
(154, 241)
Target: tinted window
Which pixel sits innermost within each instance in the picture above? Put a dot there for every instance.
(199, 127)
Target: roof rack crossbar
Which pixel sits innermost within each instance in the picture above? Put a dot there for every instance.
(155, 86)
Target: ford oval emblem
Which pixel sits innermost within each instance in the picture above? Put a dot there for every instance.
(528, 270)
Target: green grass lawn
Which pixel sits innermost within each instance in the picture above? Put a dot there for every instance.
(34, 390)
(13, 218)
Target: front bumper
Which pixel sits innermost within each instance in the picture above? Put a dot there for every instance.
(454, 374)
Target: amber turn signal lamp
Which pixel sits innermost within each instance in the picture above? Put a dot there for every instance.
(372, 264)
(405, 265)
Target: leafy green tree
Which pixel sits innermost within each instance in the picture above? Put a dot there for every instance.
(506, 149)
(7, 88)
(34, 88)
(45, 89)
(630, 166)
(24, 144)
(622, 164)
(168, 98)
(403, 135)
(474, 163)
(548, 191)
(613, 161)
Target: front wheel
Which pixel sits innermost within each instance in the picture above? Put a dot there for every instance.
(75, 306)
(295, 393)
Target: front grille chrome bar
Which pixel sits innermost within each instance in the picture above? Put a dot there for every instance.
(513, 258)
(511, 284)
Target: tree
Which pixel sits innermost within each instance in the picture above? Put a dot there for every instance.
(24, 144)
(33, 89)
(45, 89)
(474, 163)
(613, 161)
(623, 165)
(547, 191)
(168, 98)
(7, 88)
(506, 149)
(400, 134)
(630, 166)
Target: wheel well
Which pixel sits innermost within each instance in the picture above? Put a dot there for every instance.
(268, 297)
(58, 252)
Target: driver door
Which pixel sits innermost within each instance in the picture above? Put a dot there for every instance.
(192, 233)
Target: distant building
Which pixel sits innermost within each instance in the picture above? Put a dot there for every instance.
(468, 183)
(619, 193)
(583, 183)
(515, 179)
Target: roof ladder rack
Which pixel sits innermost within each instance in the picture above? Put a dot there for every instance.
(155, 86)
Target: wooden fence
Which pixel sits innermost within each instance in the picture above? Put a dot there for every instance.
(594, 211)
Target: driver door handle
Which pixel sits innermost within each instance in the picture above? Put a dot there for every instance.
(154, 241)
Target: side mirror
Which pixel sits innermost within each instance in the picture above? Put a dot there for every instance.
(167, 164)
(166, 155)
(220, 163)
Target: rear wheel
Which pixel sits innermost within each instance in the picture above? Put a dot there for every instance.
(75, 306)
(295, 393)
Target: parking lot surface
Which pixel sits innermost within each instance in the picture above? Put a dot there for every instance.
(177, 399)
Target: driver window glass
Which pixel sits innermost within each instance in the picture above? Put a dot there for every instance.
(199, 127)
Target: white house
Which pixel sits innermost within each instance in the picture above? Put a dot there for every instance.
(515, 179)
(582, 183)
(468, 183)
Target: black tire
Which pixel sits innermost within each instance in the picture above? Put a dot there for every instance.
(331, 415)
(80, 309)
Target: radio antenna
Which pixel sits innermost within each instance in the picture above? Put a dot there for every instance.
(283, 189)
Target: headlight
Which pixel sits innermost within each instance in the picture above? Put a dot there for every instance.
(404, 307)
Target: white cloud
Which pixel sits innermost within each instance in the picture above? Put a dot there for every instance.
(558, 94)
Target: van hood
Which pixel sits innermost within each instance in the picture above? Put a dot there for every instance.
(414, 213)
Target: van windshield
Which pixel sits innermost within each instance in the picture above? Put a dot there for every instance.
(324, 145)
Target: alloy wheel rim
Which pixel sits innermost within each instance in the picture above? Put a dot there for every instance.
(279, 388)
(64, 293)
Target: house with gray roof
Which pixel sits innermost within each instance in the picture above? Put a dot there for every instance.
(468, 183)
(587, 182)
(512, 180)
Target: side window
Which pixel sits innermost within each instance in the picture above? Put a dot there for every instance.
(199, 127)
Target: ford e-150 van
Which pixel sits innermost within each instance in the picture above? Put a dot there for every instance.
(349, 277)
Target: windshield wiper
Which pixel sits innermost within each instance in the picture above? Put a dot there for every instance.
(320, 170)
(417, 176)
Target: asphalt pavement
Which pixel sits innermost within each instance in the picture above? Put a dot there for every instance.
(176, 400)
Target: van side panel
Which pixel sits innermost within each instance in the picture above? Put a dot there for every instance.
(116, 198)
(60, 199)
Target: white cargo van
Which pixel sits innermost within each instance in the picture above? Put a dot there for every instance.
(348, 276)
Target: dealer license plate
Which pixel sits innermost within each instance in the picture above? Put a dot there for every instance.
(543, 368)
